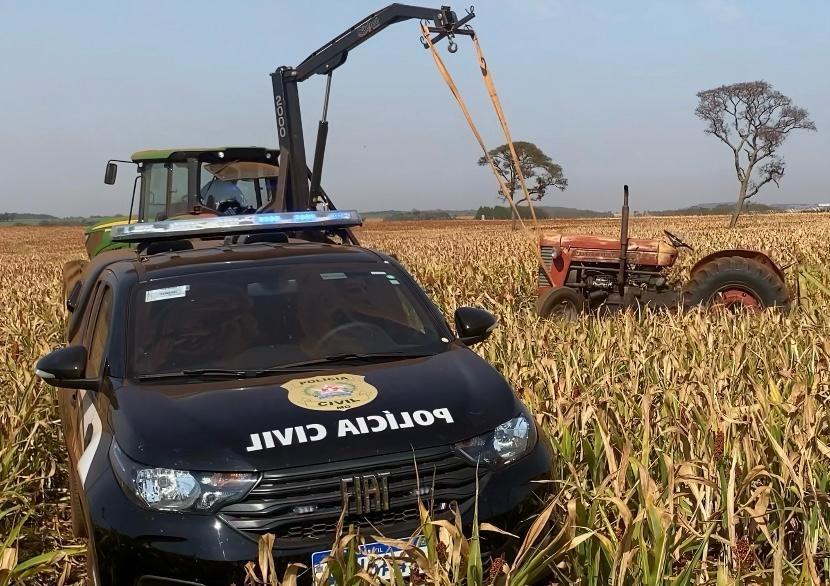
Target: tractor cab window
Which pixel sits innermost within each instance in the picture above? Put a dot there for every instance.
(156, 202)
(232, 187)
(238, 186)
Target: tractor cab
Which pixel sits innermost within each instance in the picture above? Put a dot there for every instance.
(196, 182)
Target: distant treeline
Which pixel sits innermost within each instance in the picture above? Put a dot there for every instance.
(13, 217)
(26, 219)
(412, 215)
(487, 212)
(714, 210)
(504, 213)
(542, 212)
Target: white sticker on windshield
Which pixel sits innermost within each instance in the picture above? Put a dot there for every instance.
(166, 293)
(330, 276)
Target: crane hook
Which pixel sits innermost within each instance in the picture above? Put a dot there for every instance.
(452, 46)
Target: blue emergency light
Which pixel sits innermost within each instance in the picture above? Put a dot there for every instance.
(217, 226)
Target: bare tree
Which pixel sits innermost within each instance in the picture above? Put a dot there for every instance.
(753, 120)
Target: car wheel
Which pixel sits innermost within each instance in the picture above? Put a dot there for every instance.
(560, 303)
(735, 283)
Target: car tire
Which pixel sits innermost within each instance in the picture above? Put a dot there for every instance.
(733, 282)
(560, 303)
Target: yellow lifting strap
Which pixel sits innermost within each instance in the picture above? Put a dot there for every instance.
(491, 90)
(494, 98)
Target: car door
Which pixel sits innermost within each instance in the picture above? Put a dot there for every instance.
(69, 399)
(87, 418)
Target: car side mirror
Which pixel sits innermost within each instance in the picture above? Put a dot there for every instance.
(65, 367)
(474, 325)
(110, 173)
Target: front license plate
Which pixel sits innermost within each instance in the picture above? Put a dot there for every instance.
(370, 557)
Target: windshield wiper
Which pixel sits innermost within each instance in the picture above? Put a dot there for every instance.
(352, 356)
(283, 368)
(400, 355)
(221, 373)
(199, 373)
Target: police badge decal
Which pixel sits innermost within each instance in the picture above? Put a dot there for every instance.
(336, 392)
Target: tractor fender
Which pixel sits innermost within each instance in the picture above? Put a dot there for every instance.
(755, 255)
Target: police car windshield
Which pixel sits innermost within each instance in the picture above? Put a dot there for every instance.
(253, 319)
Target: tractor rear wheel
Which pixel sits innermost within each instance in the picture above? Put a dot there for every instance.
(736, 282)
(560, 302)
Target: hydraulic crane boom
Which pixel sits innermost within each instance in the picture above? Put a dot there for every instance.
(295, 187)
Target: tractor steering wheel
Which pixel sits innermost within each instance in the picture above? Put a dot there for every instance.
(229, 207)
(675, 241)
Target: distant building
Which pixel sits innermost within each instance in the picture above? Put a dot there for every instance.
(818, 207)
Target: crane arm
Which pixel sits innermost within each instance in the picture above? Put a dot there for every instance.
(333, 54)
(293, 184)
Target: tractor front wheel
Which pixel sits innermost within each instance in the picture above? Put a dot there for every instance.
(736, 282)
(560, 302)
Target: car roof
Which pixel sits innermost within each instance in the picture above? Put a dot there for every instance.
(222, 257)
(207, 257)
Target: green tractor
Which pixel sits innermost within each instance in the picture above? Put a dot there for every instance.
(184, 183)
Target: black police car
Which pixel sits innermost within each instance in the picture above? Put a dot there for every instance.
(216, 391)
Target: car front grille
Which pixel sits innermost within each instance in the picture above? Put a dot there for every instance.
(304, 505)
(547, 258)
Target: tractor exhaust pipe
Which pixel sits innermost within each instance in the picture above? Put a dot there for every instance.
(623, 242)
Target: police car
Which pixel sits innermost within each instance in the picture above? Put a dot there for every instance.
(232, 377)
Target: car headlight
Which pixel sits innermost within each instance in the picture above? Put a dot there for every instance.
(507, 443)
(166, 489)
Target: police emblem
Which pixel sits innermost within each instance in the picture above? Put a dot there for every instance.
(329, 390)
(337, 392)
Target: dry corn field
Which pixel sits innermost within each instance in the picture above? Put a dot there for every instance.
(689, 448)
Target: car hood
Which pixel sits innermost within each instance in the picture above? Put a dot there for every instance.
(293, 420)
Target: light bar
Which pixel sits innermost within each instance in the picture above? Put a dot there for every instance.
(227, 225)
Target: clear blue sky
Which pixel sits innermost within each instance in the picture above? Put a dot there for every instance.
(605, 87)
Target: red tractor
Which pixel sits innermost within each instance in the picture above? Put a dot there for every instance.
(584, 272)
